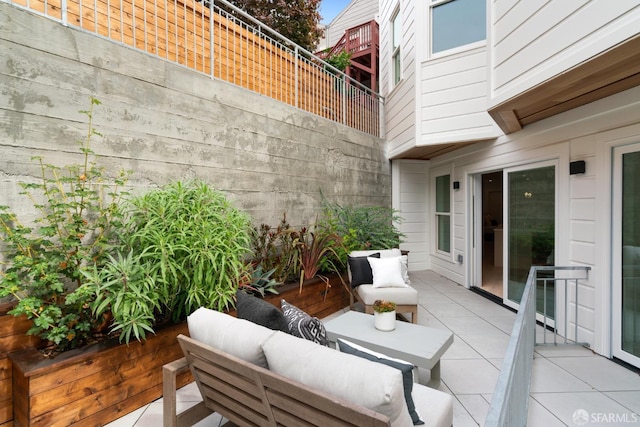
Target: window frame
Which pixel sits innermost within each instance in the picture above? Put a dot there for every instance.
(456, 49)
(442, 214)
(396, 58)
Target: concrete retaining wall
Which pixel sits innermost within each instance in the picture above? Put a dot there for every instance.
(165, 122)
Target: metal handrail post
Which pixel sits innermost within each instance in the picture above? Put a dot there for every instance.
(296, 77)
(212, 31)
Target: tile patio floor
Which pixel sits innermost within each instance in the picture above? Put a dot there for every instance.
(565, 379)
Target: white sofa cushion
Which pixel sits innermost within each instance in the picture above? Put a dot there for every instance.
(435, 407)
(349, 377)
(238, 337)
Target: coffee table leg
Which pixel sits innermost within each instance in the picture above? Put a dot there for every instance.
(434, 381)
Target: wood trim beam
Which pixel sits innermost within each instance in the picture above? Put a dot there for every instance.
(612, 71)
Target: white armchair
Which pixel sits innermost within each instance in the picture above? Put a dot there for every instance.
(381, 274)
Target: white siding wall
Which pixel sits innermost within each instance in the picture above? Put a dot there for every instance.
(400, 102)
(583, 209)
(357, 12)
(410, 180)
(453, 99)
(531, 41)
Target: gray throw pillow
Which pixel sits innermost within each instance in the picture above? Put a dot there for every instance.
(405, 367)
(301, 325)
(259, 311)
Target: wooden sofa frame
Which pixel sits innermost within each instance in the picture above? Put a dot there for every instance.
(249, 395)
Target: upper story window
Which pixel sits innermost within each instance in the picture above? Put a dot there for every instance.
(396, 37)
(456, 23)
(443, 213)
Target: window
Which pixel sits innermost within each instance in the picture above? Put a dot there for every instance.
(457, 23)
(396, 37)
(443, 213)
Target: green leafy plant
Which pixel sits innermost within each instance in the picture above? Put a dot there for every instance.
(363, 227)
(122, 292)
(340, 60)
(76, 217)
(191, 242)
(255, 280)
(383, 306)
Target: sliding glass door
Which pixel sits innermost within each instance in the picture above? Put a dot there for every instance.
(530, 212)
(626, 251)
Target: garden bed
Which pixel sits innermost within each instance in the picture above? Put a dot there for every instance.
(102, 382)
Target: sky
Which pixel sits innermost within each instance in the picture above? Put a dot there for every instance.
(329, 9)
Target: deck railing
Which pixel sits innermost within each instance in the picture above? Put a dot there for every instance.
(223, 42)
(509, 405)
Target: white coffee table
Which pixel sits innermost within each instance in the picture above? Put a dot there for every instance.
(421, 345)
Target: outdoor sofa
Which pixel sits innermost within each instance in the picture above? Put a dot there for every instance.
(253, 375)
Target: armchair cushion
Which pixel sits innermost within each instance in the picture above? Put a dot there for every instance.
(401, 296)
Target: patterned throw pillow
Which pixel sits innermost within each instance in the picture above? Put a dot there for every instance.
(301, 325)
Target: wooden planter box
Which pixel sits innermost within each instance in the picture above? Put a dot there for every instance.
(93, 385)
(315, 299)
(102, 382)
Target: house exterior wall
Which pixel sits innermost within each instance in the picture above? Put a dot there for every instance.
(165, 122)
(357, 12)
(531, 42)
(453, 98)
(527, 43)
(400, 100)
(411, 197)
(583, 235)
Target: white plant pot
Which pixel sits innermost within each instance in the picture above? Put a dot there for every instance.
(384, 321)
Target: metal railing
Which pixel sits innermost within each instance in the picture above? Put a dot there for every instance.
(570, 292)
(223, 42)
(509, 405)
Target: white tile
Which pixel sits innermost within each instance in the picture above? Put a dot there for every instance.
(549, 377)
(476, 405)
(539, 416)
(473, 325)
(471, 376)
(551, 351)
(460, 350)
(503, 322)
(490, 346)
(593, 405)
(447, 309)
(599, 372)
(128, 420)
(628, 399)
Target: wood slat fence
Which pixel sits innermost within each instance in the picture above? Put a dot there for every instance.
(211, 39)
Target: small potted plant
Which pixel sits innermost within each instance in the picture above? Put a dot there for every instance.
(384, 313)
